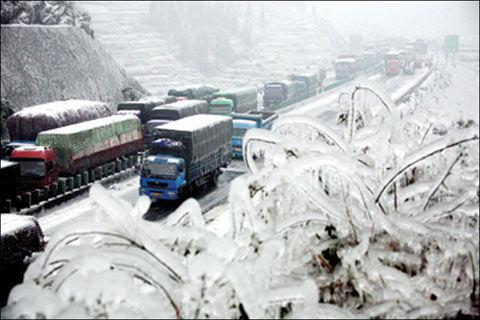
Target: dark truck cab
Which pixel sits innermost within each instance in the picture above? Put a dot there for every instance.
(21, 236)
(171, 112)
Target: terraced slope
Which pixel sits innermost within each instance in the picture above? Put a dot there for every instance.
(291, 40)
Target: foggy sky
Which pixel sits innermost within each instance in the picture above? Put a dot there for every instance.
(431, 19)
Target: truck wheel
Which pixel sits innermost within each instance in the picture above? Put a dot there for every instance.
(214, 179)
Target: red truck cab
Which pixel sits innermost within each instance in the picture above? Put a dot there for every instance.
(37, 166)
(392, 64)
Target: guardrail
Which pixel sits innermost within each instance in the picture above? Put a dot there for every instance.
(65, 189)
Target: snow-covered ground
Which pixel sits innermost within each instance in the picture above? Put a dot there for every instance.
(291, 41)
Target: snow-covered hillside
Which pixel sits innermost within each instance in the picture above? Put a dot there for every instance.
(290, 40)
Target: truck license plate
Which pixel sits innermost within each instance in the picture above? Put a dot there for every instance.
(156, 194)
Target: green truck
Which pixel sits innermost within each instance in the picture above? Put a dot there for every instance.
(239, 100)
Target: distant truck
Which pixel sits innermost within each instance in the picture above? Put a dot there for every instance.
(21, 236)
(202, 92)
(278, 94)
(76, 148)
(25, 125)
(244, 121)
(170, 112)
(188, 154)
(344, 68)
(143, 107)
(226, 102)
(306, 85)
(392, 64)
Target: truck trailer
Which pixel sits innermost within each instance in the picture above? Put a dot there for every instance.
(25, 125)
(86, 145)
(187, 154)
(234, 100)
(202, 92)
(170, 112)
(244, 121)
(344, 68)
(305, 84)
(10, 171)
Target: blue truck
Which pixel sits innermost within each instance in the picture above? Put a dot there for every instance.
(170, 112)
(244, 121)
(186, 154)
(278, 94)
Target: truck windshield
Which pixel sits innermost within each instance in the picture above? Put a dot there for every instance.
(160, 170)
(273, 90)
(220, 109)
(31, 167)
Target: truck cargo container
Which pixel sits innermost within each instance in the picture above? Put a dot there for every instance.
(187, 154)
(234, 100)
(278, 94)
(170, 112)
(143, 107)
(203, 92)
(244, 121)
(85, 145)
(344, 68)
(21, 236)
(306, 85)
(10, 172)
(25, 125)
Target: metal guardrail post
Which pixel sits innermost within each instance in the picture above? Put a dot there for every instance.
(35, 196)
(18, 204)
(78, 180)
(91, 175)
(8, 205)
(53, 189)
(62, 185)
(46, 192)
(70, 182)
(84, 178)
(118, 165)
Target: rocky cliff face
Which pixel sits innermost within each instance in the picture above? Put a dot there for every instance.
(40, 64)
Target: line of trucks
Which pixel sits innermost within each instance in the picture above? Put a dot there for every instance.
(410, 56)
(71, 138)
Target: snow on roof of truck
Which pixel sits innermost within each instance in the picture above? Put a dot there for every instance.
(181, 104)
(92, 124)
(11, 222)
(195, 122)
(242, 123)
(56, 107)
(345, 60)
(234, 91)
(6, 164)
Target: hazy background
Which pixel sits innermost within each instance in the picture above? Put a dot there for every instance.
(431, 19)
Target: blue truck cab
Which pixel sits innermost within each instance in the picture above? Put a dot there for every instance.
(162, 176)
(244, 121)
(240, 127)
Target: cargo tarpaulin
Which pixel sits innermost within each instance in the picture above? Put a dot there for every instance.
(178, 110)
(200, 135)
(76, 144)
(29, 122)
